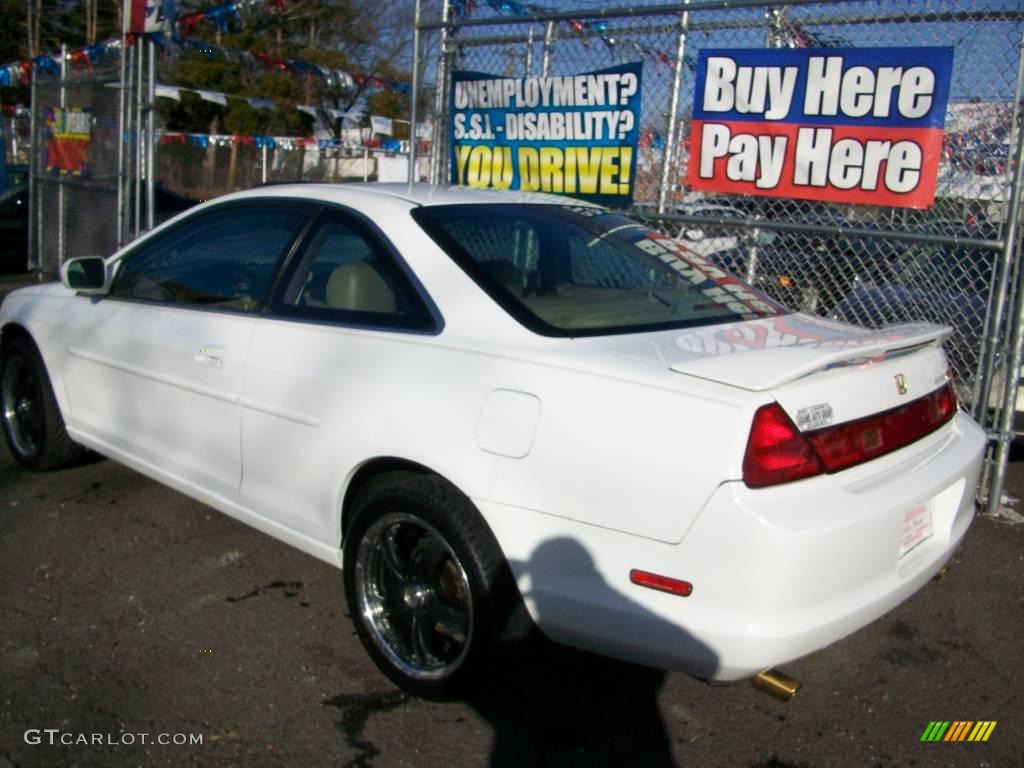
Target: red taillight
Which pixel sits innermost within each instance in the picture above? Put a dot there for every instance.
(661, 583)
(858, 441)
(777, 452)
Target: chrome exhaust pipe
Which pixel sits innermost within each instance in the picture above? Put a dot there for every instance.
(777, 684)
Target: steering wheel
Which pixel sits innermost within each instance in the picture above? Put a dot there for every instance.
(231, 281)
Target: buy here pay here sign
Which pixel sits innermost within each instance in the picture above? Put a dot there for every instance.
(857, 125)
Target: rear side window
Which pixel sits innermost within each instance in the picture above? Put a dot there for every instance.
(225, 257)
(577, 271)
(346, 273)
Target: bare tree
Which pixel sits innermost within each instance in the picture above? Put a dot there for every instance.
(33, 25)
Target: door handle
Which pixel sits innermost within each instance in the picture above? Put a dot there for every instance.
(209, 356)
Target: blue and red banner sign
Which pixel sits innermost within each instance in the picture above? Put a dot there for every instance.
(573, 135)
(859, 125)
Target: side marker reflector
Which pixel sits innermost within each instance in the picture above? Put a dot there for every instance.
(661, 583)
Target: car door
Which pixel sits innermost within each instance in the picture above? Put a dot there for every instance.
(324, 360)
(153, 369)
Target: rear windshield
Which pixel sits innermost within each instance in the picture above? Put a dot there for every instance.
(578, 271)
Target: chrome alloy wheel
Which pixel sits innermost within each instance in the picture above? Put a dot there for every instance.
(414, 596)
(22, 406)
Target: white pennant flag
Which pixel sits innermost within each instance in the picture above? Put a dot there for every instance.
(168, 92)
(380, 124)
(262, 104)
(213, 96)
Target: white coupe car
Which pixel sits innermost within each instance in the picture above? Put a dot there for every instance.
(476, 403)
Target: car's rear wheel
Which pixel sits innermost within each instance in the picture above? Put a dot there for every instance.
(33, 425)
(426, 584)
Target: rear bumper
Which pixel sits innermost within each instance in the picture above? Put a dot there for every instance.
(824, 559)
(777, 573)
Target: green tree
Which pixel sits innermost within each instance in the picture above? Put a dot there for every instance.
(345, 35)
(33, 28)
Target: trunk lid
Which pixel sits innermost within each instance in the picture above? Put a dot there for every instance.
(820, 371)
(761, 355)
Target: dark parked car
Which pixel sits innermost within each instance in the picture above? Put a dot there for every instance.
(170, 204)
(949, 285)
(14, 221)
(814, 271)
(14, 217)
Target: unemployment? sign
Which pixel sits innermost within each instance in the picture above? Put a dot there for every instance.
(574, 135)
(857, 125)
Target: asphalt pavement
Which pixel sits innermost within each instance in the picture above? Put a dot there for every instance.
(130, 614)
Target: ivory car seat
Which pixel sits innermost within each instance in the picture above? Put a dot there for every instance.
(358, 287)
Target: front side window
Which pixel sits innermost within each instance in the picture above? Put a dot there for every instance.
(225, 258)
(575, 271)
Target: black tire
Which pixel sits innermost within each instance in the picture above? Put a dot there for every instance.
(427, 586)
(33, 425)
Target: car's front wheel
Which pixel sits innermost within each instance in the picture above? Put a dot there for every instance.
(426, 584)
(31, 417)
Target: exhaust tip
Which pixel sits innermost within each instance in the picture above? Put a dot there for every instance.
(776, 684)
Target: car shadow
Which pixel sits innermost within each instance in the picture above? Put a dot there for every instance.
(557, 706)
(552, 705)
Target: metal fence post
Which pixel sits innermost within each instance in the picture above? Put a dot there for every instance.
(440, 133)
(415, 95)
(1013, 361)
(671, 130)
(122, 176)
(151, 138)
(549, 44)
(61, 194)
(997, 306)
(34, 212)
(528, 64)
(137, 136)
(129, 144)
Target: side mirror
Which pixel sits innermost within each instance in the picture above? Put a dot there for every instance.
(87, 274)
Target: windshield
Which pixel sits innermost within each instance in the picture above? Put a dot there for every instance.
(574, 271)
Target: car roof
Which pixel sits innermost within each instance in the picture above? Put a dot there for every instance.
(414, 194)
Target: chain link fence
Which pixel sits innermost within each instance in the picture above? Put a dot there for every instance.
(74, 166)
(954, 263)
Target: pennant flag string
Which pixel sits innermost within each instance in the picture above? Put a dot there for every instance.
(20, 73)
(466, 8)
(205, 141)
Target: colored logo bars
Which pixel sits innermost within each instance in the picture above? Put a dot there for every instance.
(958, 730)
